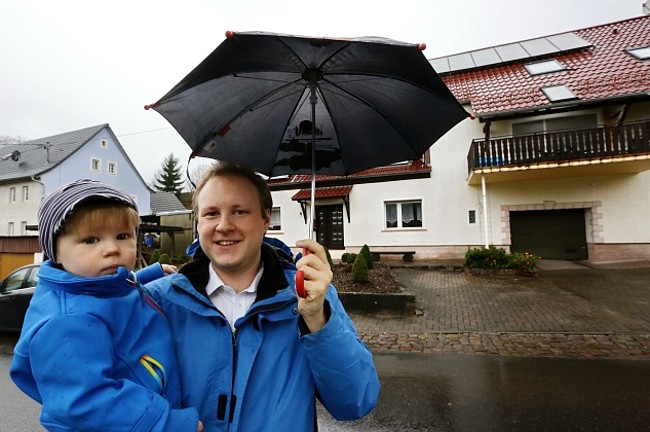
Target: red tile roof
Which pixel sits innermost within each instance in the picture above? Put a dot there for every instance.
(323, 192)
(604, 70)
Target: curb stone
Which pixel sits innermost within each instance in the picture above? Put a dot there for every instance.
(559, 345)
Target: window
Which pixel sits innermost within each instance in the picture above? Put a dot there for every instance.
(276, 224)
(12, 195)
(558, 93)
(103, 143)
(472, 216)
(111, 168)
(15, 280)
(95, 164)
(557, 124)
(544, 67)
(23, 228)
(640, 53)
(10, 228)
(407, 214)
(25, 193)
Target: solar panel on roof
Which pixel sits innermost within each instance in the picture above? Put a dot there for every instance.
(440, 65)
(510, 52)
(461, 61)
(538, 47)
(568, 41)
(485, 57)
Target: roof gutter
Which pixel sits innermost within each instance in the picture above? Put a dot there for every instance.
(567, 106)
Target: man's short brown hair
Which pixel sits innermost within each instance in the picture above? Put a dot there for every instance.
(229, 169)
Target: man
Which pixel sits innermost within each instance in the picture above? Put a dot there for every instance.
(253, 355)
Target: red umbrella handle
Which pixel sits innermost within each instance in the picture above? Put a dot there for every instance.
(300, 284)
(300, 279)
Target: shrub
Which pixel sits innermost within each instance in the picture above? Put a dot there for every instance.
(344, 257)
(351, 258)
(497, 258)
(164, 259)
(523, 261)
(365, 253)
(155, 257)
(360, 270)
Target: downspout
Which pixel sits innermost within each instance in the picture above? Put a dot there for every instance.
(485, 218)
(486, 130)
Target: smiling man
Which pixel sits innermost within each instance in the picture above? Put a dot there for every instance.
(253, 353)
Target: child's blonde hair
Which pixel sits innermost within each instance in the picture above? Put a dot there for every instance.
(95, 213)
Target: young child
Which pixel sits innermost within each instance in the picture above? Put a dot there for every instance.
(95, 349)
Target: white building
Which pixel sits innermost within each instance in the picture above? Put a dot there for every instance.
(555, 161)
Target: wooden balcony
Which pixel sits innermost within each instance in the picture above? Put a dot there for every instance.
(605, 150)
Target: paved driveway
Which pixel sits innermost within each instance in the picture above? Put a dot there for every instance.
(570, 311)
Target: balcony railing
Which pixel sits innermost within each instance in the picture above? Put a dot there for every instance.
(604, 142)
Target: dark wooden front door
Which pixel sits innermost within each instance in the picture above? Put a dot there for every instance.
(329, 226)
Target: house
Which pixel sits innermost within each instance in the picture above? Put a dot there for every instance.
(32, 169)
(555, 160)
(170, 222)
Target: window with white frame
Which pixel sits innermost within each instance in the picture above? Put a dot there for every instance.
(558, 93)
(26, 193)
(276, 222)
(556, 124)
(544, 67)
(103, 143)
(23, 228)
(111, 168)
(12, 195)
(10, 228)
(640, 53)
(95, 164)
(403, 214)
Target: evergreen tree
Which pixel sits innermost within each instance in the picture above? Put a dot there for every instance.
(365, 253)
(164, 259)
(360, 270)
(169, 177)
(155, 257)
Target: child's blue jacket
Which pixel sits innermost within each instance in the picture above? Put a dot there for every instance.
(97, 354)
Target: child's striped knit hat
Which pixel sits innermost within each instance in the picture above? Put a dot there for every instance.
(58, 205)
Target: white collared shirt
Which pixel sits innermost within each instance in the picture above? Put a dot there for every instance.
(233, 305)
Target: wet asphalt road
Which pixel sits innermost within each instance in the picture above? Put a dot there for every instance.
(470, 393)
(463, 393)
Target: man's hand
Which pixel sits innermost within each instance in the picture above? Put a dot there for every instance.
(318, 276)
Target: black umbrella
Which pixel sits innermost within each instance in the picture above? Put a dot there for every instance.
(285, 104)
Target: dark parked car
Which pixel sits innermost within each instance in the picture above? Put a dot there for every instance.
(16, 292)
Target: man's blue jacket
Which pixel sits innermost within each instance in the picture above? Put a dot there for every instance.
(267, 374)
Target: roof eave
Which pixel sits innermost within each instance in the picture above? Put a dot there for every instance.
(565, 106)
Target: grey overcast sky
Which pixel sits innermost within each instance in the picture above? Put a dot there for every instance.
(71, 64)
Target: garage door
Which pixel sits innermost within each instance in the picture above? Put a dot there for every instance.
(553, 234)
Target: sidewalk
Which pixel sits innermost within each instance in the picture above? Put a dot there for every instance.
(569, 310)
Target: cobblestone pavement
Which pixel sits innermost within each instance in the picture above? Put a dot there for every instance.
(579, 312)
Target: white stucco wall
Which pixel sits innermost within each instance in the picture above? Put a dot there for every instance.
(616, 206)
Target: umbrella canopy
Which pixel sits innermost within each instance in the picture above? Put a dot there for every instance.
(285, 104)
